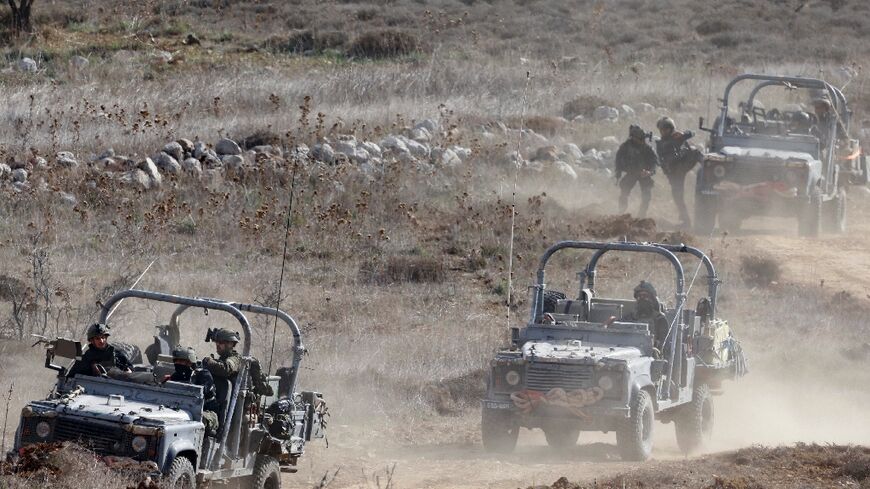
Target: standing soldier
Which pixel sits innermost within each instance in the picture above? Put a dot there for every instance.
(677, 159)
(636, 159)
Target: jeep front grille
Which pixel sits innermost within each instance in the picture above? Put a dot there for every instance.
(101, 439)
(545, 376)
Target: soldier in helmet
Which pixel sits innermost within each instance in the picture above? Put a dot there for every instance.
(226, 366)
(677, 159)
(825, 115)
(648, 310)
(100, 357)
(188, 371)
(637, 161)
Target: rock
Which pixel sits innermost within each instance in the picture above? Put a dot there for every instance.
(565, 168)
(546, 153)
(645, 107)
(191, 40)
(516, 159)
(109, 153)
(186, 145)
(233, 162)
(346, 146)
(27, 65)
(192, 166)
(610, 141)
(39, 162)
(16, 164)
(175, 150)
(430, 125)
(421, 135)
(227, 147)
(211, 160)
(578, 119)
(371, 148)
(394, 144)
(167, 163)
(161, 57)
(323, 152)
(109, 164)
(150, 169)
(5, 171)
(66, 159)
(462, 152)
(68, 198)
(448, 158)
(199, 149)
(417, 149)
(627, 111)
(79, 62)
(135, 178)
(573, 152)
(605, 113)
(268, 149)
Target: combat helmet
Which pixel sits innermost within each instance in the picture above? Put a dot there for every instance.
(223, 334)
(666, 123)
(635, 131)
(184, 353)
(97, 329)
(647, 287)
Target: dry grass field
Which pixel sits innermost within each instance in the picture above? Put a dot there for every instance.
(399, 277)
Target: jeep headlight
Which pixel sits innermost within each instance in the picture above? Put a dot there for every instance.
(512, 377)
(43, 429)
(605, 382)
(139, 444)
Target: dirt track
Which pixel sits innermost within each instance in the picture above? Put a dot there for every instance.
(780, 414)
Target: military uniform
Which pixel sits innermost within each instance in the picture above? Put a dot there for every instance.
(637, 161)
(109, 357)
(651, 314)
(197, 375)
(677, 159)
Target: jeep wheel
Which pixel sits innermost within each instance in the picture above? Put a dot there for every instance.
(267, 473)
(705, 214)
(499, 430)
(560, 436)
(810, 216)
(551, 298)
(634, 437)
(181, 475)
(694, 421)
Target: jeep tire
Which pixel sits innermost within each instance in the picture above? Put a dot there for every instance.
(499, 430)
(561, 436)
(835, 215)
(634, 437)
(551, 298)
(181, 474)
(694, 421)
(267, 473)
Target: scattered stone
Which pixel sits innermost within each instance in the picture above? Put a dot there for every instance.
(150, 169)
(268, 149)
(186, 145)
(462, 152)
(79, 62)
(233, 162)
(27, 65)
(573, 152)
(605, 113)
(417, 149)
(227, 147)
(448, 158)
(394, 144)
(627, 111)
(161, 57)
(421, 135)
(167, 163)
(645, 107)
(578, 119)
(211, 160)
(430, 125)
(610, 141)
(66, 159)
(371, 148)
(69, 198)
(565, 168)
(199, 149)
(546, 153)
(39, 162)
(136, 179)
(323, 152)
(192, 166)
(175, 150)
(109, 153)
(5, 171)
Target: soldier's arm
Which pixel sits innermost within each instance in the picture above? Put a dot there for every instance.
(223, 368)
(650, 160)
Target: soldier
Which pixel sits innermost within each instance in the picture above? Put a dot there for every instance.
(825, 114)
(100, 357)
(187, 371)
(676, 158)
(636, 159)
(226, 366)
(648, 310)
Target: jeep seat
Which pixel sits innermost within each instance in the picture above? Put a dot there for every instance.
(601, 312)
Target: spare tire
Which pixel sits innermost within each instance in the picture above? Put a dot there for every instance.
(551, 298)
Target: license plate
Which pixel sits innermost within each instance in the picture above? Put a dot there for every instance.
(497, 405)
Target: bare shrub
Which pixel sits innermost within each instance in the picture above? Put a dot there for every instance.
(541, 124)
(385, 43)
(401, 269)
(759, 271)
(712, 26)
(583, 105)
(262, 137)
(725, 40)
(305, 41)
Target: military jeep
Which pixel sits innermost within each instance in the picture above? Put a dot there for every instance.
(779, 162)
(583, 364)
(136, 418)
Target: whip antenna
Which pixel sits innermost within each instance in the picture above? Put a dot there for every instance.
(514, 201)
(283, 261)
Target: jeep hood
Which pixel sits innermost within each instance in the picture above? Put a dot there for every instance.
(766, 154)
(575, 351)
(126, 411)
